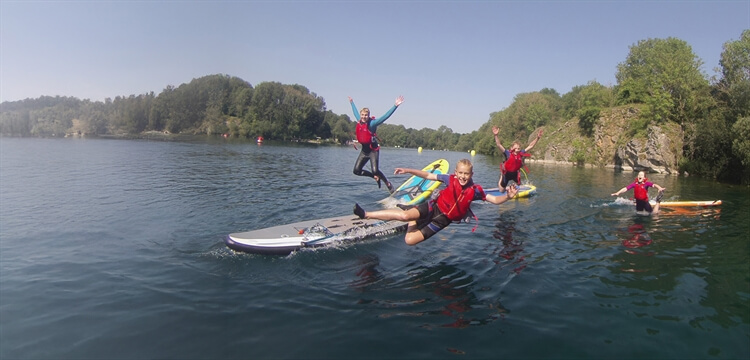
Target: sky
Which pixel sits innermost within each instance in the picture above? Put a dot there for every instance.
(455, 62)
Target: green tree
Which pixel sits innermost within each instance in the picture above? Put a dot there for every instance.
(665, 75)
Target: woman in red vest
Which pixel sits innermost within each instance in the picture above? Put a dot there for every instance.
(640, 192)
(452, 204)
(366, 129)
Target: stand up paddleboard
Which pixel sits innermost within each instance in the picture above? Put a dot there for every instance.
(671, 204)
(523, 191)
(416, 189)
(284, 239)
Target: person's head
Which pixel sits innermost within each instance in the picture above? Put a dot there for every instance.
(515, 147)
(464, 171)
(364, 114)
(641, 177)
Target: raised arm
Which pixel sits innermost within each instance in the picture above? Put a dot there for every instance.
(421, 173)
(495, 131)
(533, 142)
(497, 200)
(354, 108)
(388, 114)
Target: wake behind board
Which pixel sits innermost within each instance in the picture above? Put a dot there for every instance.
(416, 189)
(523, 191)
(284, 239)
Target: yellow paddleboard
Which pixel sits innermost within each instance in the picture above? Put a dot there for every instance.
(416, 190)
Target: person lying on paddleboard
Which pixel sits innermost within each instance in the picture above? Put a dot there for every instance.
(367, 137)
(640, 192)
(509, 170)
(452, 204)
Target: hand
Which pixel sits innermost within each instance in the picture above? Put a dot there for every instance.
(512, 191)
(495, 130)
(539, 135)
(615, 194)
(399, 171)
(399, 100)
(350, 99)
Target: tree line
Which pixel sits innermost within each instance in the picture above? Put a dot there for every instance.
(662, 77)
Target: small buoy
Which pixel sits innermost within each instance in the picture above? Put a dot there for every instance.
(473, 152)
(419, 149)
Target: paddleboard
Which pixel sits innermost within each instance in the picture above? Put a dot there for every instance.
(523, 191)
(284, 239)
(416, 189)
(688, 203)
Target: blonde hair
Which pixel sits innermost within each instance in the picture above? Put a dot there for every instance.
(466, 162)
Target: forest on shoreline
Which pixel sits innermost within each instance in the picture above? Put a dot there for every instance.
(661, 77)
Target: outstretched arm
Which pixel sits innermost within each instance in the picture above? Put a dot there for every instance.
(495, 131)
(620, 191)
(497, 200)
(533, 142)
(659, 187)
(421, 173)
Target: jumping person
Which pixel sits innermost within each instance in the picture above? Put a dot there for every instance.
(640, 192)
(366, 129)
(452, 204)
(509, 170)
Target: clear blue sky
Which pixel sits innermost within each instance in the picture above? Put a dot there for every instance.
(455, 62)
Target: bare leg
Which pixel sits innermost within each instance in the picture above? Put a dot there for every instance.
(413, 235)
(393, 214)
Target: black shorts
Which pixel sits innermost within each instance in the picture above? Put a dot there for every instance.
(508, 176)
(643, 205)
(431, 219)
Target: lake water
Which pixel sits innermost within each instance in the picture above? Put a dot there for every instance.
(113, 249)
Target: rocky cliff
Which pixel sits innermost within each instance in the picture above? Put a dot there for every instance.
(614, 143)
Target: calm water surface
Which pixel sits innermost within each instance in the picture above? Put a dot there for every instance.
(114, 250)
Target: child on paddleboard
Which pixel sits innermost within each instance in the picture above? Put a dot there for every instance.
(365, 131)
(509, 170)
(640, 192)
(452, 204)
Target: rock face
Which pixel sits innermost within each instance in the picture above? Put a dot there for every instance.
(652, 155)
(657, 149)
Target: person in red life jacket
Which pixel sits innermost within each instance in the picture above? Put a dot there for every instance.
(640, 192)
(509, 170)
(365, 131)
(452, 204)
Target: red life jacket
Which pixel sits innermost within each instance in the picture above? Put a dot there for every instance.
(364, 135)
(640, 192)
(514, 162)
(454, 201)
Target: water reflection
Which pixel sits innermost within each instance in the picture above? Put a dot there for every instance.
(430, 292)
(510, 250)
